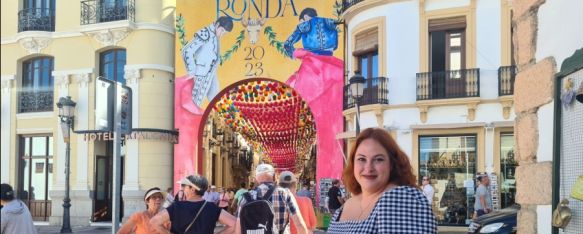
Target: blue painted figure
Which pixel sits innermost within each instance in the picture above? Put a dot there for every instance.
(319, 35)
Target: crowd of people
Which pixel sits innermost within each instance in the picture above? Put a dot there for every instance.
(384, 198)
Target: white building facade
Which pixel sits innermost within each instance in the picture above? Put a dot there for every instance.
(439, 77)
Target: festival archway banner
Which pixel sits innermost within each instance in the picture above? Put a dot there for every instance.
(225, 43)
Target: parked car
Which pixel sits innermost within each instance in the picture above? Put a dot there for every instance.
(502, 221)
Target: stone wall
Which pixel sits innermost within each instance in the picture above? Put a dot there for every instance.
(534, 88)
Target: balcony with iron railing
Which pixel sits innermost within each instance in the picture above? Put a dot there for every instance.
(96, 11)
(506, 75)
(35, 101)
(448, 84)
(36, 19)
(376, 91)
(349, 3)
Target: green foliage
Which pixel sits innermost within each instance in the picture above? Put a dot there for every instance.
(229, 53)
(180, 29)
(268, 31)
(337, 11)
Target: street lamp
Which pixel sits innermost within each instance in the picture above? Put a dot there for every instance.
(66, 115)
(356, 90)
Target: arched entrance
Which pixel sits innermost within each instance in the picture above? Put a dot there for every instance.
(252, 121)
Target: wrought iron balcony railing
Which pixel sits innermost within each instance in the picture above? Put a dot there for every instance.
(506, 77)
(348, 3)
(36, 19)
(448, 84)
(376, 91)
(96, 11)
(35, 101)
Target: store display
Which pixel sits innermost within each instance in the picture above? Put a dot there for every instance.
(508, 164)
(494, 191)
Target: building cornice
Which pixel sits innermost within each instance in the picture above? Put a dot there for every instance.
(159, 67)
(86, 28)
(364, 5)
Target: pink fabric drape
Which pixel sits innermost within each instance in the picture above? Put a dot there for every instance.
(188, 123)
(319, 81)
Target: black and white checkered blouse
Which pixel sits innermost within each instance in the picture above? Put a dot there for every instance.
(402, 209)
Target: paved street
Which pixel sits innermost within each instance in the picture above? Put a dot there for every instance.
(104, 230)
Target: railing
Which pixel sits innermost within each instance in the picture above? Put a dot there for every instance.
(448, 84)
(36, 19)
(506, 77)
(35, 101)
(40, 210)
(376, 91)
(348, 3)
(96, 11)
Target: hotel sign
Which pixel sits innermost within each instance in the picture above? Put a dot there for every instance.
(157, 135)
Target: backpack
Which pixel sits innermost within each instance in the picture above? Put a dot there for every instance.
(257, 214)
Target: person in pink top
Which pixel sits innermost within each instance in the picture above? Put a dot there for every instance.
(139, 222)
(288, 180)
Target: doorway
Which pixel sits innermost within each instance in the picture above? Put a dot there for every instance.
(103, 185)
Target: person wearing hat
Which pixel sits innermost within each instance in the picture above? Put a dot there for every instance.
(15, 215)
(212, 195)
(194, 214)
(288, 180)
(283, 202)
(139, 222)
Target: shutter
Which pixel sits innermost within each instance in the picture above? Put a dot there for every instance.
(458, 22)
(366, 41)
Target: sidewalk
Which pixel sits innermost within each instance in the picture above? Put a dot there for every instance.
(104, 230)
(77, 229)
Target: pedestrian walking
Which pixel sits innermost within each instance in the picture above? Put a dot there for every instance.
(288, 180)
(139, 222)
(305, 191)
(427, 189)
(385, 197)
(179, 195)
(483, 203)
(15, 216)
(224, 199)
(236, 198)
(212, 195)
(335, 198)
(193, 215)
(268, 208)
(169, 198)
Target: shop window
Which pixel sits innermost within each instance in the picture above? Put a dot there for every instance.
(450, 161)
(112, 63)
(36, 173)
(507, 170)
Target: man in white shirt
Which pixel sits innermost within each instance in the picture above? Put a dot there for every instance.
(428, 189)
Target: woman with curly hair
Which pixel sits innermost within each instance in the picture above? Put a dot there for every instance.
(385, 197)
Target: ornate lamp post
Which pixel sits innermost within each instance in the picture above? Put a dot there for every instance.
(356, 89)
(66, 115)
